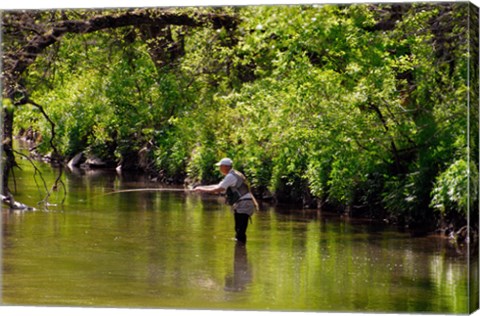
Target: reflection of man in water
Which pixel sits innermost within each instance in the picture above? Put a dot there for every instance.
(237, 195)
(241, 275)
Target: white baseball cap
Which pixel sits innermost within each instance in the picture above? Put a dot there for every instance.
(225, 162)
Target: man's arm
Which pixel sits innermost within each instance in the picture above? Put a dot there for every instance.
(215, 188)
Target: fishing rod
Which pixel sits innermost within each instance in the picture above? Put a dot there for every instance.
(150, 190)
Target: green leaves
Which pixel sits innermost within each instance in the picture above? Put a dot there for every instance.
(359, 105)
(455, 188)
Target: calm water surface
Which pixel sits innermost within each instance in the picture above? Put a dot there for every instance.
(175, 250)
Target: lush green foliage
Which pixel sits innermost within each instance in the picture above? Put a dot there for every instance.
(363, 106)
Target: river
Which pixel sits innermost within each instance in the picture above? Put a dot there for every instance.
(176, 250)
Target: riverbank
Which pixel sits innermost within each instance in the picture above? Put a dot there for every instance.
(82, 164)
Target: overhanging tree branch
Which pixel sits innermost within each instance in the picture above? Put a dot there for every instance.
(52, 127)
(56, 156)
(15, 63)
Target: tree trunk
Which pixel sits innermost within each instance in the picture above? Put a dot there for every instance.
(7, 149)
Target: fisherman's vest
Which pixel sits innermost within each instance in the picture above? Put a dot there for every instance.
(234, 194)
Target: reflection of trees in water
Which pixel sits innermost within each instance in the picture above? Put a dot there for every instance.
(242, 275)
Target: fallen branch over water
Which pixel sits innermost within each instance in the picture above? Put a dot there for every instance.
(14, 205)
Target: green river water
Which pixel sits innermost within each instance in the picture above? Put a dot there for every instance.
(175, 250)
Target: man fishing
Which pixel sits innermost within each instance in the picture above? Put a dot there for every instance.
(238, 195)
